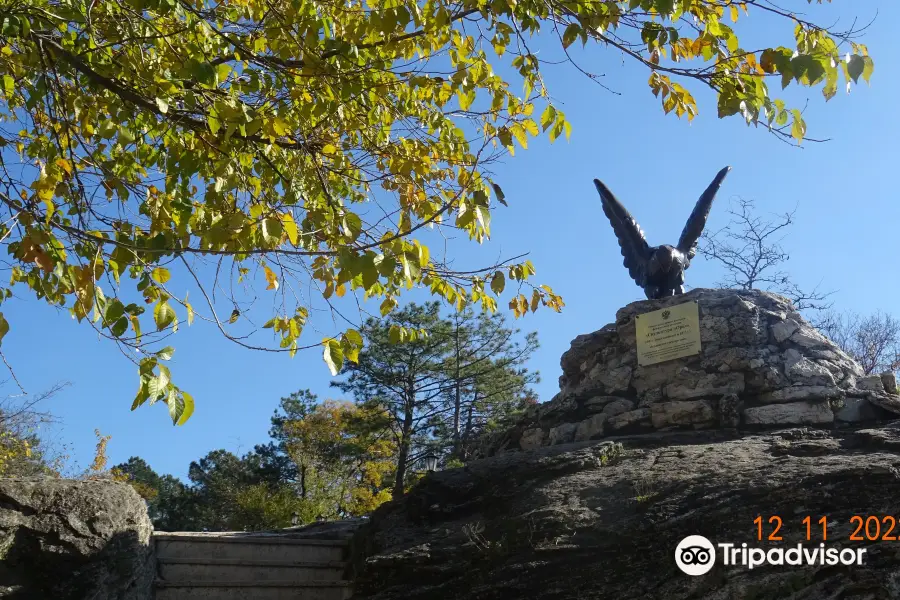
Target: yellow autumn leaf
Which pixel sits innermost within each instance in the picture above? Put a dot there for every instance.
(290, 227)
(65, 165)
(271, 278)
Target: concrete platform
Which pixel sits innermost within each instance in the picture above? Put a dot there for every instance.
(249, 566)
(253, 590)
(230, 569)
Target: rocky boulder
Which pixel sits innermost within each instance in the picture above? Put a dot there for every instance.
(74, 540)
(761, 365)
(602, 519)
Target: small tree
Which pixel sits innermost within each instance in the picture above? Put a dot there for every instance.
(344, 452)
(873, 341)
(446, 380)
(487, 381)
(171, 505)
(404, 375)
(749, 247)
(24, 451)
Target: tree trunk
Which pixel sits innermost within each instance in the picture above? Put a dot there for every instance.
(465, 445)
(303, 482)
(403, 454)
(457, 401)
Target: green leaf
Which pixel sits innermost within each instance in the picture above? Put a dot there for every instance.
(181, 407)
(126, 136)
(388, 305)
(157, 386)
(501, 197)
(114, 310)
(162, 105)
(807, 69)
(120, 327)
(868, 69)
(166, 353)
(136, 324)
(798, 129)
(855, 67)
(4, 327)
(570, 34)
(334, 356)
(141, 396)
(548, 117)
(272, 229)
(351, 225)
(163, 315)
(352, 354)
(498, 282)
(160, 275)
(354, 337)
(519, 133)
(214, 124)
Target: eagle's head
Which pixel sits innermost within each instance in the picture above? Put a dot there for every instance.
(666, 259)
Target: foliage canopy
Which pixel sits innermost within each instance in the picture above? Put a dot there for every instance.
(311, 144)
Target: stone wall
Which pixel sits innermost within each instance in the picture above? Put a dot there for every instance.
(72, 540)
(761, 365)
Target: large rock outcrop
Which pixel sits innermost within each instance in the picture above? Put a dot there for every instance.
(598, 520)
(589, 496)
(74, 540)
(761, 365)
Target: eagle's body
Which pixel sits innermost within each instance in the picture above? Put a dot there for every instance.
(658, 270)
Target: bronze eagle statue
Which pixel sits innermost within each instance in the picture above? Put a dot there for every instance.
(658, 270)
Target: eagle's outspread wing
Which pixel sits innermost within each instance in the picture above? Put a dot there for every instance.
(697, 221)
(631, 239)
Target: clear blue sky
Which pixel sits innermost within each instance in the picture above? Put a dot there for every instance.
(845, 235)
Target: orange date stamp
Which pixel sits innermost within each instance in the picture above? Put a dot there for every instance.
(865, 528)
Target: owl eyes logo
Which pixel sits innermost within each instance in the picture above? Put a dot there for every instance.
(695, 555)
(666, 314)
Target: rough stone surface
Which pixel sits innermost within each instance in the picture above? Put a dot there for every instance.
(590, 428)
(730, 408)
(629, 420)
(562, 434)
(800, 393)
(856, 410)
(617, 407)
(756, 351)
(870, 383)
(885, 401)
(692, 384)
(797, 413)
(601, 520)
(698, 413)
(889, 381)
(533, 438)
(73, 540)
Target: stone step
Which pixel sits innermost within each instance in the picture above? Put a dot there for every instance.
(250, 547)
(253, 590)
(231, 569)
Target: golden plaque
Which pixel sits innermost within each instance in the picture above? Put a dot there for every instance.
(668, 333)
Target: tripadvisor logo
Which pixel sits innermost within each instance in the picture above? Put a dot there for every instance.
(695, 555)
